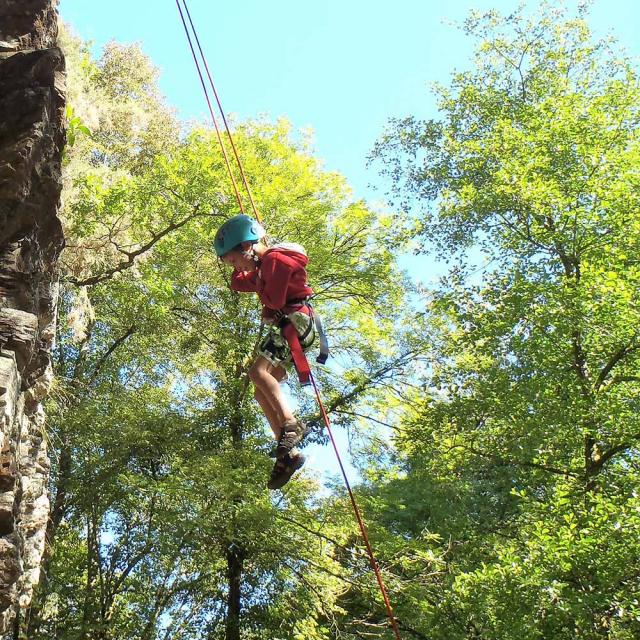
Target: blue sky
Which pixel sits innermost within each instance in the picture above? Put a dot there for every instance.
(340, 67)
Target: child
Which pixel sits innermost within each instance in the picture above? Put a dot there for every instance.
(278, 276)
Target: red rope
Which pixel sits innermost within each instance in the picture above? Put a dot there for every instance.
(224, 118)
(363, 529)
(213, 117)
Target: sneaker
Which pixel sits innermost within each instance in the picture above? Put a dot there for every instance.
(284, 469)
(293, 432)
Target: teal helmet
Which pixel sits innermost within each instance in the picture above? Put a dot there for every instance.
(234, 231)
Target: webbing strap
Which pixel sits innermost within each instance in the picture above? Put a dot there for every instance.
(300, 361)
(324, 342)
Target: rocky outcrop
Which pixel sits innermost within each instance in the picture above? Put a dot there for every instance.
(31, 142)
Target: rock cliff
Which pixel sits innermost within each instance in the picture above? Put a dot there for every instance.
(32, 100)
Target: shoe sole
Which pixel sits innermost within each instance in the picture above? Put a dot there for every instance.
(281, 480)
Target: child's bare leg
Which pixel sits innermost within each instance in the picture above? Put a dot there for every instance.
(269, 412)
(266, 379)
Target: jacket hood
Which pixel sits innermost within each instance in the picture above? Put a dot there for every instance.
(292, 250)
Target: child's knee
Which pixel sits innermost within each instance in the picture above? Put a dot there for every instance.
(254, 375)
(257, 372)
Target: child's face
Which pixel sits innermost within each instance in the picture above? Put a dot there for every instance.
(240, 260)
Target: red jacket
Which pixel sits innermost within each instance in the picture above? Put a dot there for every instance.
(280, 278)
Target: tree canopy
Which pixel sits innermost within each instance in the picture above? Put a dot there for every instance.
(529, 418)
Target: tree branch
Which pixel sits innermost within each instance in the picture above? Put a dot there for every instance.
(370, 381)
(504, 462)
(103, 359)
(132, 255)
(355, 414)
(312, 532)
(617, 357)
(617, 379)
(613, 451)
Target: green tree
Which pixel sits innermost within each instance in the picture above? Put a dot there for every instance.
(523, 448)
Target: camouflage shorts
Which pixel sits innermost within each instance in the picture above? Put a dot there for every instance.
(275, 348)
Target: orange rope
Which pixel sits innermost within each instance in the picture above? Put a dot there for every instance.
(354, 504)
(217, 98)
(213, 116)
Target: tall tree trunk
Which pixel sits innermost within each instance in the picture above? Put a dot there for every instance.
(31, 141)
(32, 620)
(235, 553)
(235, 563)
(89, 607)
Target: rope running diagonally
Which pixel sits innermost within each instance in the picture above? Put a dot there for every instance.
(218, 102)
(356, 509)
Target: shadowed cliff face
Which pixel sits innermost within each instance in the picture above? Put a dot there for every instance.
(31, 142)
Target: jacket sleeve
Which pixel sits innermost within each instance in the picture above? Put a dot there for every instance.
(276, 275)
(245, 281)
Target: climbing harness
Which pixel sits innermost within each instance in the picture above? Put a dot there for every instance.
(280, 346)
(300, 362)
(289, 330)
(296, 339)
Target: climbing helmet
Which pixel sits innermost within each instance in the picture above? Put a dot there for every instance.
(236, 230)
